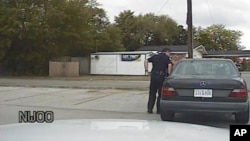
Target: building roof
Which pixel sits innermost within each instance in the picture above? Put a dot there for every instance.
(122, 52)
(231, 53)
(173, 48)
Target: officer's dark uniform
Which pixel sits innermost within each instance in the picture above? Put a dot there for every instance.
(158, 73)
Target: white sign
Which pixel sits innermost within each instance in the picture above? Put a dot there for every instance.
(130, 57)
(208, 93)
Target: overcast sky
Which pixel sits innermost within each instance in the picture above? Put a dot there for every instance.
(234, 14)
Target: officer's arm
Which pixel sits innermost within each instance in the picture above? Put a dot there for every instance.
(169, 68)
(146, 62)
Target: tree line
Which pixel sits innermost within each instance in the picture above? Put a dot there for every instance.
(32, 32)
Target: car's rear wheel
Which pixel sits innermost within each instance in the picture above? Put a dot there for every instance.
(242, 117)
(167, 116)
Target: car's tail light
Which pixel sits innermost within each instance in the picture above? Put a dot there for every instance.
(239, 93)
(168, 91)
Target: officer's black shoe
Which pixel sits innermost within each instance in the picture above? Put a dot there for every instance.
(150, 111)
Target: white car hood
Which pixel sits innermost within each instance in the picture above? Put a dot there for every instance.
(111, 130)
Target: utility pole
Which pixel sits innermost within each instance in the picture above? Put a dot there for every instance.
(190, 28)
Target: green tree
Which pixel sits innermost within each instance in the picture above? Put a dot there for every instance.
(157, 30)
(147, 29)
(165, 31)
(8, 28)
(69, 28)
(25, 30)
(182, 36)
(110, 40)
(34, 31)
(98, 24)
(128, 24)
(217, 37)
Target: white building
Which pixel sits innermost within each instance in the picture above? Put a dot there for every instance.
(132, 63)
(119, 63)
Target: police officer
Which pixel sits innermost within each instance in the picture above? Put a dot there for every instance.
(162, 66)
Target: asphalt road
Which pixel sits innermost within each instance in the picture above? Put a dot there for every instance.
(90, 104)
(91, 83)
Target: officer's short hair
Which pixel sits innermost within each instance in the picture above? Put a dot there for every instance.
(166, 50)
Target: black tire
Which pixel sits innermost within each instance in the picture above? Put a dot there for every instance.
(167, 116)
(242, 117)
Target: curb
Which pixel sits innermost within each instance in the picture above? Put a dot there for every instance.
(88, 78)
(81, 87)
(77, 87)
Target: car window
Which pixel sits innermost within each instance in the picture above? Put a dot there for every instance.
(206, 67)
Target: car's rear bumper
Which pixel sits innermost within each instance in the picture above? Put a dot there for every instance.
(194, 106)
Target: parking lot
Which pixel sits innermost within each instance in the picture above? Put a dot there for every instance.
(89, 104)
(90, 97)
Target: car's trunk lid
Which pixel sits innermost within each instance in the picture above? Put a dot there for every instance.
(219, 86)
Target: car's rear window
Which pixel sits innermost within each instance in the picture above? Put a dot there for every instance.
(206, 67)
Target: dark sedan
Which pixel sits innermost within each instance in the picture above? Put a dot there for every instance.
(205, 85)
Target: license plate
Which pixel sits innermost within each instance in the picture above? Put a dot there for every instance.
(203, 93)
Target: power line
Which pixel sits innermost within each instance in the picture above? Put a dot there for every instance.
(210, 11)
(164, 4)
